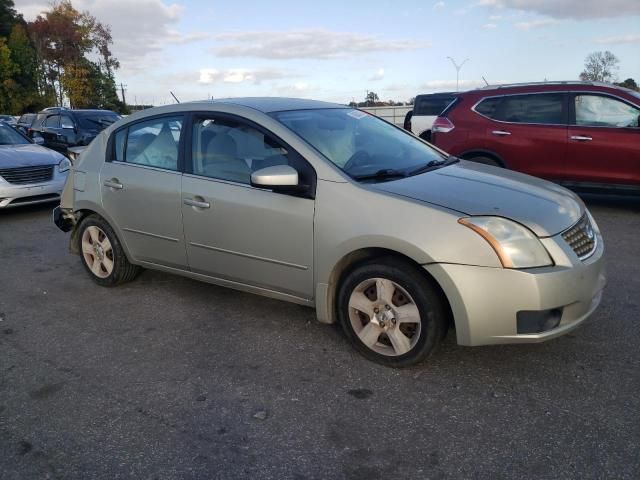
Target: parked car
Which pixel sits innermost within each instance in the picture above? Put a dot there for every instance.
(583, 135)
(62, 128)
(8, 119)
(426, 109)
(331, 207)
(24, 122)
(29, 173)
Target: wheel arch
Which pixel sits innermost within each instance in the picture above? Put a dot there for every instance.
(484, 153)
(83, 212)
(326, 303)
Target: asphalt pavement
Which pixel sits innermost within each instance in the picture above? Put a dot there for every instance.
(168, 378)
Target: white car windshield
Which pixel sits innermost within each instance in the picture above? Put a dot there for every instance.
(362, 145)
(8, 136)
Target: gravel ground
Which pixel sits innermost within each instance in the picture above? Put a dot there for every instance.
(168, 378)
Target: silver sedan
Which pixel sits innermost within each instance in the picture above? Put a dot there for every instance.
(29, 173)
(330, 207)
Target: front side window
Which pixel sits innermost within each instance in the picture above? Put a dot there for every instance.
(362, 145)
(601, 111)
(230, 150)
(53, 121)
(153, 143)
(541, 108)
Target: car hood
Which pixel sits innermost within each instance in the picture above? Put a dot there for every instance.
(474, 189)
(12, 156)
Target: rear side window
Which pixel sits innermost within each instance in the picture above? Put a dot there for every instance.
(52, 121)
(488, 107)
(153, 142)
(431, 105)
(545, 108)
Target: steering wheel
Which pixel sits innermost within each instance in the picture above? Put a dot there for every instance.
(359, 158)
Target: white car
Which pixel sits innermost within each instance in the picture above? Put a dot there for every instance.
(29, 173)
(426, 109)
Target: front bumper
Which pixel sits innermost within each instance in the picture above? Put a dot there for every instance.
(17, 195)
(485, 301)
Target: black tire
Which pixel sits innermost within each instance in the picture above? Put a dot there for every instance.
(426, 136)
(426, 296)
(485, 161)
(407, 120)
(123, 271)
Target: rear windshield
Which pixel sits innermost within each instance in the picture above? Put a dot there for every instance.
(431, 105)
(27, 118)
(97, 120)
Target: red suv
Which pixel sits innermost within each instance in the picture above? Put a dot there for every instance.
(584, 135)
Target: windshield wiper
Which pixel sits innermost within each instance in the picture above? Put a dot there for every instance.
(433, 164)
(384, 174)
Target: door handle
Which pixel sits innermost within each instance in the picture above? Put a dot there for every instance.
(501, 133)
(113, 183)
(580, 138)
(196, 203)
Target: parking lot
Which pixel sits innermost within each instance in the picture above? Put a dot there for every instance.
(168, 378)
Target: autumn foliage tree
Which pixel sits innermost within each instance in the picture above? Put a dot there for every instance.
(65, 40)
(63, 57)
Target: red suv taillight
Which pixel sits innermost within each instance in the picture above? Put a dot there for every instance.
(442, 125)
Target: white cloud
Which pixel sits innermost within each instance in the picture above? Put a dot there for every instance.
(140, 28)
(489, 26)
(576, 9)
(239, 75)
(378, 75)
(306, 44)
(545, 22)
(495, 18)
(619, 39)
(438, 5)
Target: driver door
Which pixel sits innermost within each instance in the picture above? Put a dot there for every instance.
(233, 231)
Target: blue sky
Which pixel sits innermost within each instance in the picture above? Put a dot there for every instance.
(336, 50)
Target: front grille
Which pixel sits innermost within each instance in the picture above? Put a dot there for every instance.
(24, 175)
(581, 238)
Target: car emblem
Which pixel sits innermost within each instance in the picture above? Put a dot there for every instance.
(589, 232)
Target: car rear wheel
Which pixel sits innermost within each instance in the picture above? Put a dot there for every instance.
(485, 161)
(391, 312)
(102, 253)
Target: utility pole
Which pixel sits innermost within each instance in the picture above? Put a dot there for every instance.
(122, 90)
(458, 67)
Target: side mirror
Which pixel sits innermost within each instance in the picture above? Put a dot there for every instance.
(276, 178)
(38, 140)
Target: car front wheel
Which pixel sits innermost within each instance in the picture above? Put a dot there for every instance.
(391, 312)
(102, 254)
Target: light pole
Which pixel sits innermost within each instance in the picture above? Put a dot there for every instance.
(458, 67)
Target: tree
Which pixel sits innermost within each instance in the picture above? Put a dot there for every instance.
(372, 98)
(8, 17)
(629, 83)
(600, 67)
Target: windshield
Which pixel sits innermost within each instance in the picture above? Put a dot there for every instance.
(362, 145)
(8, 136)
(97, 121)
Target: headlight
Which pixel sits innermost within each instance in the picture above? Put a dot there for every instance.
(64, 165)
(516, 246)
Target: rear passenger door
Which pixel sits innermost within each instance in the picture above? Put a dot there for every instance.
(140, 185)
(528, 132)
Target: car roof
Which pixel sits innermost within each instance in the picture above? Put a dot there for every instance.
(274, 104)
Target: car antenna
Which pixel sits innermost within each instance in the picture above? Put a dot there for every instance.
(174, 97)
(485, 81)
